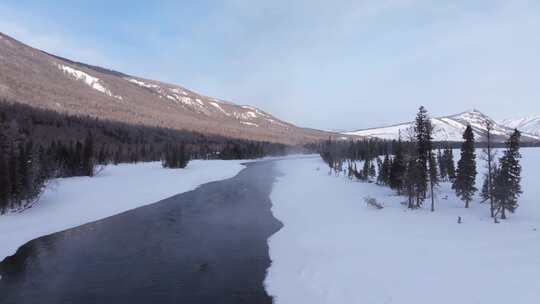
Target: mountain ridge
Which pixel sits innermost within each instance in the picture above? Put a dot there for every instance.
(37, 78)
(529, 124)
(447, 128)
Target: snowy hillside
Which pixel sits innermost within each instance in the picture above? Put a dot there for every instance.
(529, 124)
(447, 128)
(335, 249)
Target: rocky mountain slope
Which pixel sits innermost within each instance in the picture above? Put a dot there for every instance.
(33, 77)
(448, 128)
(529, 124)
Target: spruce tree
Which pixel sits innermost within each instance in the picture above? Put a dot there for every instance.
(88, 156)
(365, 169)
(433, 177)
(384, 171)
(5, 182)
(442, 166)
(410, 181)
(380, 171)
(464, 184)
(422, 131)
(372, 171)
(397, 169)
(15, 191)
(432, 162)
(449, 165)
(507, 188)
(485, 192)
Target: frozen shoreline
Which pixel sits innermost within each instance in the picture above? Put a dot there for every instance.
(335, 249)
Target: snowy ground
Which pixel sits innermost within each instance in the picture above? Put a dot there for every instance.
(74, 201)
(335, 249)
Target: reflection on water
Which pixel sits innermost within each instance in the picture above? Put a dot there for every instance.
(14, 267)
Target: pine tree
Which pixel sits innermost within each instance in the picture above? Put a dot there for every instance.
(449, 165)
(102, 156)
(365, 169)
(464, 184)
(380, 173)
(384, 171)
(5, 182)
(485, 193)
(442, 166)
(118, 155)
(397, 169)
(88, 156)
(15, 191)
(184, 156)
(410, 184)
(372, 171)
(507, 188)
(433, 177)
(422, 131)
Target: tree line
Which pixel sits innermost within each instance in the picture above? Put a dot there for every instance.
(415, 165)
(38, 145)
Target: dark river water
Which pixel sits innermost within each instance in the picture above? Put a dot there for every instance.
(204, 246)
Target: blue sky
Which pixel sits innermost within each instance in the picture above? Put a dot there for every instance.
(320, 64)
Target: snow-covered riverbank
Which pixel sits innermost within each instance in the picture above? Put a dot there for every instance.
(70, 202)
(335, 249)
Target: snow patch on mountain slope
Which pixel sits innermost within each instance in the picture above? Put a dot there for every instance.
(208, 105)
(217, 106)
(529, 124)
(447, 128)
(93, 82)
(142, 83)
(249, 123)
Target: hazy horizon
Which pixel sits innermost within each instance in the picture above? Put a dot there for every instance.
(327, 65)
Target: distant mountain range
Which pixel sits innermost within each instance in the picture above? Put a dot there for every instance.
(450, 128)
(529, 124)
(31, 76)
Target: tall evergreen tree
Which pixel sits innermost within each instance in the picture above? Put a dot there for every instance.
(422, 131)
(433, 171)
(372, 170)
(397, 169)
(485, 192)
(380, 175)
(88, 156)
(448, 157)
(365, 169)
(442, 166)
(5, 182)
(15, 181)
(433, 177)
(507, 188)
(464, 184)
(410, 181)
(385, 171)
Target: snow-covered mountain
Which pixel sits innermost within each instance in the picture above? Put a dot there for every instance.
(529, 124)
(447, 128)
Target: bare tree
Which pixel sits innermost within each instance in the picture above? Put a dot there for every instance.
(488, 154)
